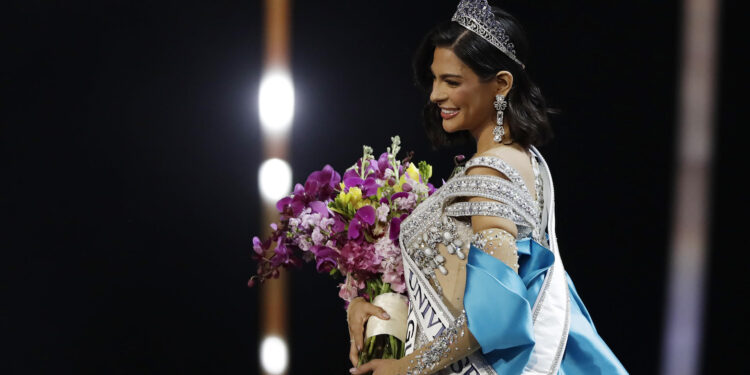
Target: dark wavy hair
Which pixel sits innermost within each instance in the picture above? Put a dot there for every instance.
(527, 110)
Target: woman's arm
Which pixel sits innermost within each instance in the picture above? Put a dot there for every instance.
(357, 314)
(496, 237)
(456, 341)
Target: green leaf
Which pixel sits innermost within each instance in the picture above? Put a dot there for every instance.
(369, 237)
(425, 170)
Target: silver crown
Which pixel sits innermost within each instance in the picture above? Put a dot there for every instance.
(477, 16)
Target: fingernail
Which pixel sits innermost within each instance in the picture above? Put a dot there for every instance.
(353, 370)
(359, 347)
(385, 315)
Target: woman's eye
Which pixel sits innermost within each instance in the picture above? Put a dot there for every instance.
(452, 83)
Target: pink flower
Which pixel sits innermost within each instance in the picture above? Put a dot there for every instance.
(395, 276)
(359, 258)
(348, 290)
(406, 203)
(391, 266)
(386, 248)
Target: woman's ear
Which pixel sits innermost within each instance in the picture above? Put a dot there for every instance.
(504, 81)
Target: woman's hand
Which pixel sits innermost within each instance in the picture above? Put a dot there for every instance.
(357, 314)
(378, 367)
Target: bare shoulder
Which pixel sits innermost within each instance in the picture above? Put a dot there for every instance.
(514, 155)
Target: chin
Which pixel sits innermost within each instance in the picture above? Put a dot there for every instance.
(452, 125)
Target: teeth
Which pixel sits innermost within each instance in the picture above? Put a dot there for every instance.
(449, 111)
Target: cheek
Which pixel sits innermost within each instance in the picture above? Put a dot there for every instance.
(480, 109)
(460, 97)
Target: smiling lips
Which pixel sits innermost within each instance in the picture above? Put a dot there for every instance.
(448, 113)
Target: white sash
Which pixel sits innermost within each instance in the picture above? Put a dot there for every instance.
(428, 315)
(551, 311)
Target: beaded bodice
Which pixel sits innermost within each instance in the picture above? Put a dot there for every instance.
(440, 219)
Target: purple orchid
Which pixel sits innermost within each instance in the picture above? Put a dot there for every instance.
(363, 248)
(395, 227)
(364, 216)
(322, 184)
(325, 258)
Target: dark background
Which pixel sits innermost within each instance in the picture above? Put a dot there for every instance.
(130, 144)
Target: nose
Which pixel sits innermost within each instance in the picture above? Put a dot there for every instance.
(437, 95)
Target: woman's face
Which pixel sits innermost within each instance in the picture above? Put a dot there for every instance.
(465, 102)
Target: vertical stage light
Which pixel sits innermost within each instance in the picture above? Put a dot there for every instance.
(688, 262)
(276, 112)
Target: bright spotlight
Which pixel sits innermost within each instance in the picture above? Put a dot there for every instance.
(273, 355)
(276, 102)
(274, 179)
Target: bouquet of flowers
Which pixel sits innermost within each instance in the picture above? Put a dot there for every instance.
(350, 230)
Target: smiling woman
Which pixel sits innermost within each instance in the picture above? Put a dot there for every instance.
(462, 98)
(453, 62)
(487, 288)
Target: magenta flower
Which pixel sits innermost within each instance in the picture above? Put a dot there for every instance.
(322, 184)
(395, 228)
(365, 216)
(363, 248)
(325, 258)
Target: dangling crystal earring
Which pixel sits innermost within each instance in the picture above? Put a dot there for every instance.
(500, 105)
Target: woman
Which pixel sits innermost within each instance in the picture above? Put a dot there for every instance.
(487, 288)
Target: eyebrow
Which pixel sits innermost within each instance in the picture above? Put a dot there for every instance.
(447, 75)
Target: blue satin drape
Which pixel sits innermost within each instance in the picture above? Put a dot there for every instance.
(498, 309)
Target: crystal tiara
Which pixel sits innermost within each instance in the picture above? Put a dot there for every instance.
(477, 16)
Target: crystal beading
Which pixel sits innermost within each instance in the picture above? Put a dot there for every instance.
(492, 239)
(439, 347)
(538, 186)
(495, 209)
(425, 228)
(501, 166)
(477, 16)
(495, 188)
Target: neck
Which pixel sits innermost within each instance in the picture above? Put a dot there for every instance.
(486, 139)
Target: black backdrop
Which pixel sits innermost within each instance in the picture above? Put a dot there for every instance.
(130, 144)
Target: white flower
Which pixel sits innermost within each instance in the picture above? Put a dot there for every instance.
(382, 212)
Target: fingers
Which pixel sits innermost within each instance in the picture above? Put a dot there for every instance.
(357, 334)
(365, 368)
(377, 311)
(357, 325)
(353, 354)
(354, 349)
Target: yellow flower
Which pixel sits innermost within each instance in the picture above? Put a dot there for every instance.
(353, 197)
(413, 172)
(355, 193)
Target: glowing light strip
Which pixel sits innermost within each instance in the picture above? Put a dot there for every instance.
(681, 349)
(278, 92)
